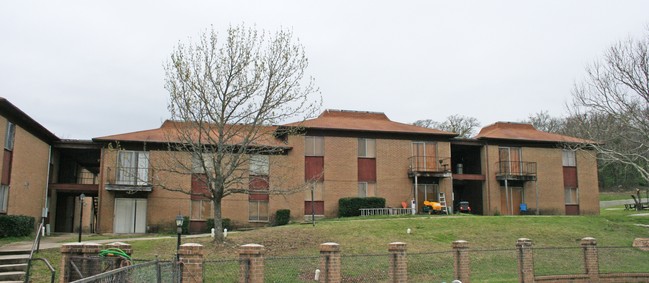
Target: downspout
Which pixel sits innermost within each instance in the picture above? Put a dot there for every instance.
(46, 206)
(488, 178)
(536, 188)
(100, 187)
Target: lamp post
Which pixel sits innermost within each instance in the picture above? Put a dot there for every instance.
(179, 230)
(81, 197)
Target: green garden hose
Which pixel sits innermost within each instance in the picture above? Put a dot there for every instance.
(115, 252)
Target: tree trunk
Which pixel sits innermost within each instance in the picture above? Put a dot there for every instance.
(218, 221)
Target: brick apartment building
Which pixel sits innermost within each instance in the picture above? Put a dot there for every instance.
(505, 168)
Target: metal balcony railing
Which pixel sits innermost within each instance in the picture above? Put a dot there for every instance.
(430, 164)
(133, 176)
(508, 169)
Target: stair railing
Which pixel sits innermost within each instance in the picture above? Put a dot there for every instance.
(36, 247)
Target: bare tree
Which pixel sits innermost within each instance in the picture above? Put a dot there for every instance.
(225, 95)
(612, 105)
(464, 126)
(544, 122)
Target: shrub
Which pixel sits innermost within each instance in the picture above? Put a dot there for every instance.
(227, 224)
(282, 217)
(186, 225)
(16, 225)
(350, 206)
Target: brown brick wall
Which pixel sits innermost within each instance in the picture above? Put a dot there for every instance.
(588, 182)
(549, 181)
(28, 172)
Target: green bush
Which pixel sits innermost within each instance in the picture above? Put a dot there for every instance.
(226, 222)
(350, 206)
(16, 225)
(282, 217)
(186, 225)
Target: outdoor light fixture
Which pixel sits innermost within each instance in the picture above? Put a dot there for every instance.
(81, 197)
(179, 230)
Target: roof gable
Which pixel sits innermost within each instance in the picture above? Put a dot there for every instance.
(363, 121)
(524, 132)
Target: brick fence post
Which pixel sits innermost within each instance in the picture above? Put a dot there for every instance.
(461, 261)
(525, 260)
(66, 274)
(90, 265)
(330, 263)
(126, 248)
(591, 262)
(251, 263)
(191, 260)
(398, 262)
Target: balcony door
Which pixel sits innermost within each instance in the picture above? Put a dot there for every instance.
(425, 156)
(510, 160)
(130, 215)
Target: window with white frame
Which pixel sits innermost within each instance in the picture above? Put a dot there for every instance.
(366, 148)
(366, 189)
(313, 146)
(133, 168)
(259, 165)
(10, 135)
(4, 198)
(201, 209)
(569, 158)
(202, 161)
(572, 195)
(258, 210)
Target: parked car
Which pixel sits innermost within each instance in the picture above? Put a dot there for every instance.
(464, 207)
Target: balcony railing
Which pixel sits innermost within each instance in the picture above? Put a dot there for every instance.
(515, 170)
(429, 165)
(130, 176)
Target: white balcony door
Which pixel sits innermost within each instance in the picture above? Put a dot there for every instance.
(130, 215)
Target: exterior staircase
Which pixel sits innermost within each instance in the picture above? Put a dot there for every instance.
(13, 265)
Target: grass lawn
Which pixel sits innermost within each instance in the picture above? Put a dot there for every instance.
(296, 246)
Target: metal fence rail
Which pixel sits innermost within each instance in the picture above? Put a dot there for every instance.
(430, 267)
(558, 261)
(385, 211)
(152, 271)
(221, 270)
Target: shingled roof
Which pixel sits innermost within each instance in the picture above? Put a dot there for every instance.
(168, 132)
(363, 121)
(524, 132)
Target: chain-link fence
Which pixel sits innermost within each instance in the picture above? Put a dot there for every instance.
(430, 266)
(494, 265)
(291, 269)
(364, 268)
(558, 261)
(151, 271)
(622, 260)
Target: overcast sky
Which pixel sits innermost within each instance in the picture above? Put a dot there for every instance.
(86, 69)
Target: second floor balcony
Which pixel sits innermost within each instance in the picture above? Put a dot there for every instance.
(429, 166)
(128, 179)
(516, 170)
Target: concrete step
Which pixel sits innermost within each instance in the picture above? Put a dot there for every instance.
(14, 252)
(14, 259)
(13, 267)
(12, 276)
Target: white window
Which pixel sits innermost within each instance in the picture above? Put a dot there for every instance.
(569, 158)
(366, 189)
(258, 210)
(133, 168)
(366, 148)
(201, 161)
(10, 136)
(313, 146)
(201, 209)
(572, 195)
(4, 197)
(259, 165)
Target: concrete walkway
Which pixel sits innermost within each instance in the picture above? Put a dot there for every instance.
(610, 203)
(56, 241)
